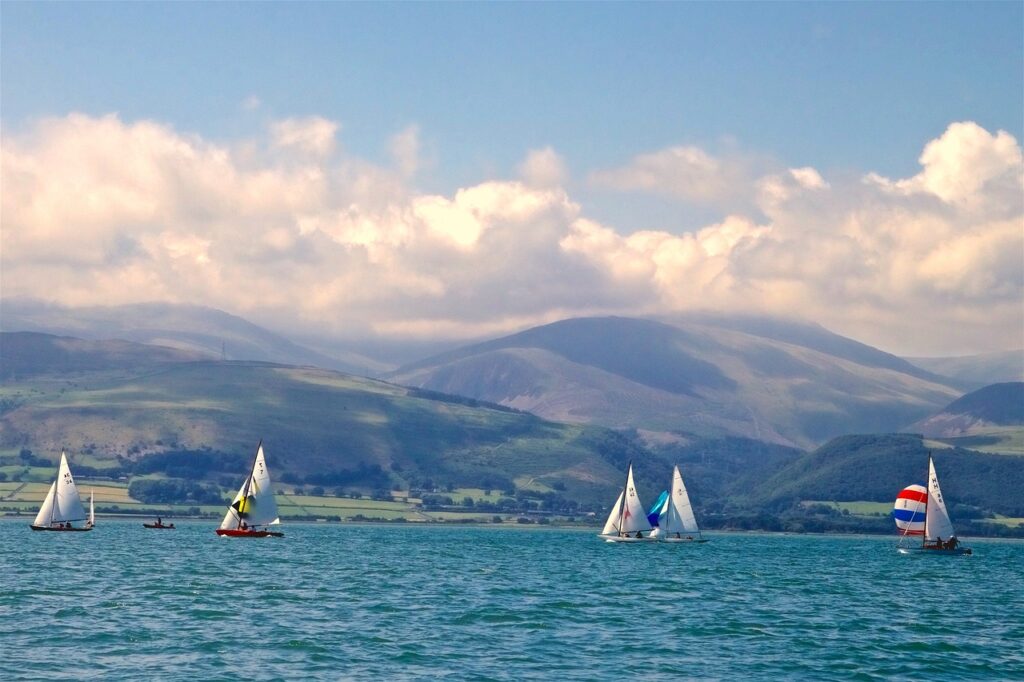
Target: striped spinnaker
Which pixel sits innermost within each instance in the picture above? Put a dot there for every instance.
(909, 510)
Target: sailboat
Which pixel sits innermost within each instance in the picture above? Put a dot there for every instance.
(254, 508)
(922, 511)
(627, 520)
(62, 504)
(675, 521)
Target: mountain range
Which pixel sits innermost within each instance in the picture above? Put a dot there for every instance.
(187, 327)
(690, 376)
(128, 409)
(702, 376)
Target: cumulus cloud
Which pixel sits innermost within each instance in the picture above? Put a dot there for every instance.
(688, 173)
(961, 164)
(97, 210)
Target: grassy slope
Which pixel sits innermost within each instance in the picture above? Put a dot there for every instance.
(311, 421)
(876, 468)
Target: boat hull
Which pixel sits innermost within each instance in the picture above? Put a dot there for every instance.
(959, 551)
(62, 530)
(619, 538)
(156, 527)
(239, 533)
(684, 540)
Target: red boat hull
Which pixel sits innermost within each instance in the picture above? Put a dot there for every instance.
(239, 533)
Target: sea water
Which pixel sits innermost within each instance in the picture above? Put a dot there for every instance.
(397, 602)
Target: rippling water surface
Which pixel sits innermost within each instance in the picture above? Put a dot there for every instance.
(402, 602)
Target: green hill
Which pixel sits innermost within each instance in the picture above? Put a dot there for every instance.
(29, 354)
(318, 426)
(990, 419)
(172, 427)
(876, 467)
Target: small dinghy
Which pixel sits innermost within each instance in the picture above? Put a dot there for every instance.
(63, 504)
(627, 521)
(253, 508)
(922, 511)
(159, 525)
(675, 520)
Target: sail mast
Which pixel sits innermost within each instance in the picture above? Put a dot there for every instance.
(625, 489)
(927, 495)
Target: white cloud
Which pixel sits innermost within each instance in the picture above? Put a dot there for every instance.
(685, 172)
(102, 211)
(313, 135)
(543, 168)
(405, 150)
(962, 165)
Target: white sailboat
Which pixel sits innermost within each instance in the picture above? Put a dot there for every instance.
(62, 504)
(676, 522)
(936, 530)
(627, 520)
(91, 522)
(253, 510)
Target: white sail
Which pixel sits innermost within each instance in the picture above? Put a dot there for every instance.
(254, 502)
(936, 521)
(92, 509)
(680, 517)
(634, 518)
(611, 525)
(44, 517)
(62, 502)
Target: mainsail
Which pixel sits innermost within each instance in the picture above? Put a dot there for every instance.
(909, 510)
(62, 502)
(936, 523)
(680, 517)
(254, 504)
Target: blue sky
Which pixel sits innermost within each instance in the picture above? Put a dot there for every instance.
(858, 164)
(847, 85)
